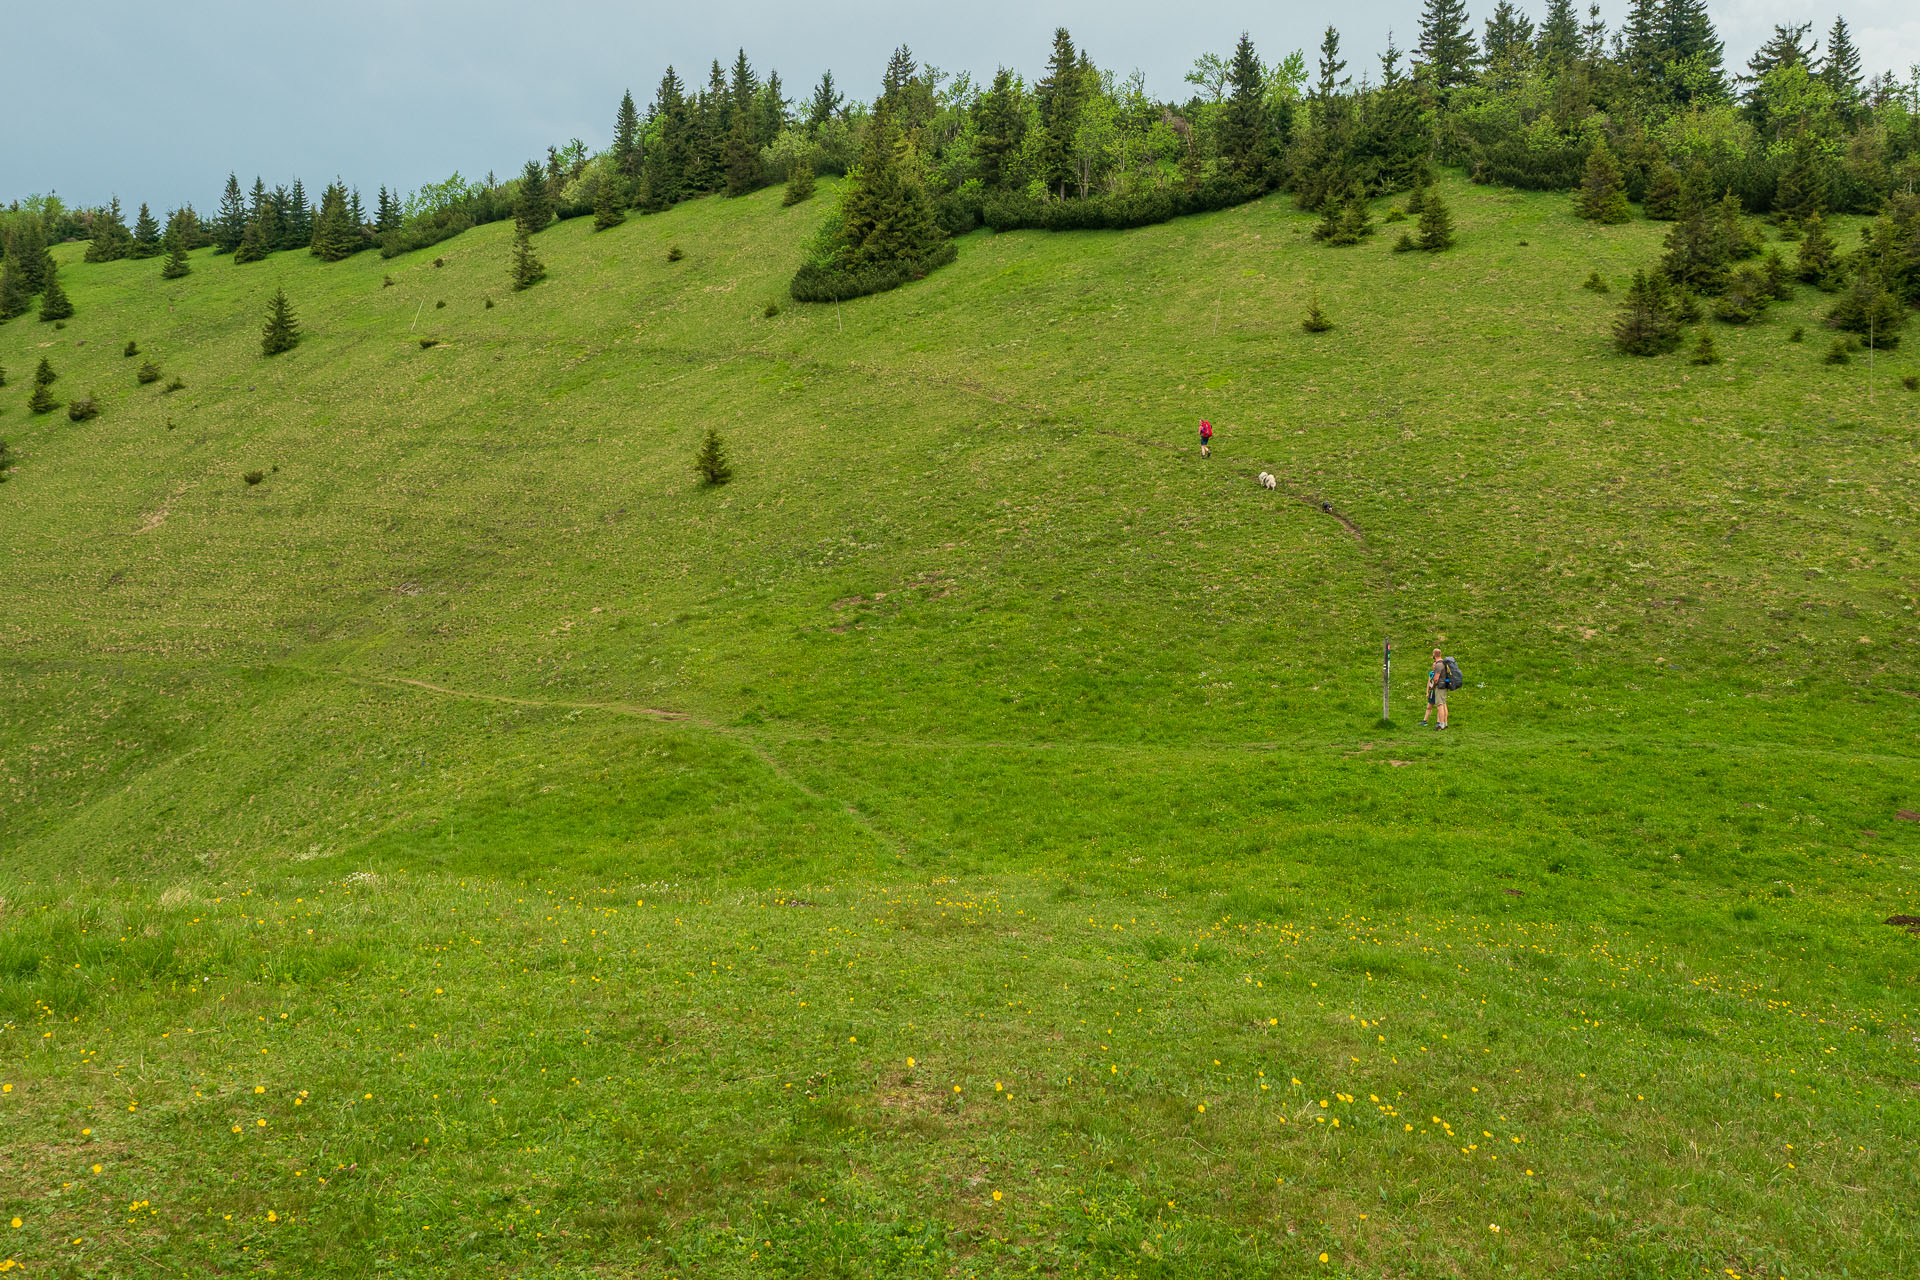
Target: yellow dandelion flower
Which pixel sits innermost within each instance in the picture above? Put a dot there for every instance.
(259, 1088)
(96, 1168)
(909, 1061)
(1203, 1106)
(272, 1216)
(1323, 1257)
(996, 1196)
(17, 1224)
(261, 1123)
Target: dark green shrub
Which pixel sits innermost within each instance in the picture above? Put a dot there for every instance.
(1404, 244)
(815, 283)
(43, 374)
(176, 385)
(1395, 214)
(132, 348)
(425, 232)
(1868, 309)
(1596, 282)
(711, 464)
(1840, 352)
(772, 308)
(675, 254)
(54, 304)
(1798, 335)
(1910, 382)
(1436, 225)
(6, 461)
(42, 400)
(440, 305)
(425, 343)
(489, 304)
(1704, 352)
(386, 282)
(83, 408)
(439, 262)
(254, 477)
(149, 372)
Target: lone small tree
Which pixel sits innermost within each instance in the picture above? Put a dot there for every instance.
(1602, 197)
(1704, 352)
(282, 332)
(799, 181)
(527, 270)
(43, 374)
(54, 304)
(1436, 225)
(711, 464)
(42, 401)
(1316, 320)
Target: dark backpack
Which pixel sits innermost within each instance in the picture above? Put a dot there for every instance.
(1450, 677)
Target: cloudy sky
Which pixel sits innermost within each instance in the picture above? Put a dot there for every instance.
(157, 103)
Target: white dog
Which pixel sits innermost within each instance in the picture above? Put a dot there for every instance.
(1267, 481)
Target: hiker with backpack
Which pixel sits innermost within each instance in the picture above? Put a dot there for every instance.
(1442, 676)
(1206, 438)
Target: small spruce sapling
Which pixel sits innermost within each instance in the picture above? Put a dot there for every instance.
(1840, 352)
(1404, 244)
(1911, 382)
(132, 348)
(43, 374)
(1436, 224)
(711, 464)
(1798, 335)
(6, 461)
(1602, 197)
(1596, 282)
(82, 409)
(1704, 352)
(42, 400)
(527, 269)
(282, 331)
(675, 254)
(149, 372)
(1316, 320)
(176, 264)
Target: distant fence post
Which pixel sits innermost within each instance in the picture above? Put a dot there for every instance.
(1386, 679)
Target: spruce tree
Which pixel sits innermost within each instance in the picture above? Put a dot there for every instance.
(233, 218)
(824, 105)
(606, 201)
(711, 463)
(743, 157)
(110, 239)
(625, 152)
(1647, 324)
(29, 246)
(253, 243)
(885, 216)
(1819, 256)
(527, 270)
(53, 301)
(1870, 310)
(663, 167)
(1436, 225)
(1245, 140)
(282, 331)
(1687, 38)
(1447, 51)
(176, 264)
(299, 219)
(335, 235)
(1315, 320)
(1602, 196)
(1663, 193)
(14, 298)
(6, 461)
(1000, 120)
(43, 374)
(1061, 98)
(1840, 71)
(1704, 352)
(1558, 45)
(146, 235)
(800, 181)
(43, 379)
(532, 209)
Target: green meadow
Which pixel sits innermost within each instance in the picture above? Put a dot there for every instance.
(968, 843)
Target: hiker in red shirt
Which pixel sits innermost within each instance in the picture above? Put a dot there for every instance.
(1206, 438)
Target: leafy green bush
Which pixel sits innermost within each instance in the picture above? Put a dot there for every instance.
(149, 372)
(817, 283)
(82, 409)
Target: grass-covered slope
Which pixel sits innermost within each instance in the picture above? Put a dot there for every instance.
(965, 844)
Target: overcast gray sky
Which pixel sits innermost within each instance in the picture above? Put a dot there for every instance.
(157, 102)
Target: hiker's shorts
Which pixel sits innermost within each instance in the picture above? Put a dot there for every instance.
(1437, 697)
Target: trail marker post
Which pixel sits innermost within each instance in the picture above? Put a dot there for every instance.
(1386, 680)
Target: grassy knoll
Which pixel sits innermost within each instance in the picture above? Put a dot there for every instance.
(966, 844)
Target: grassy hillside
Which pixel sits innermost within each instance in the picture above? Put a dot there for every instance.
(966, 844)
